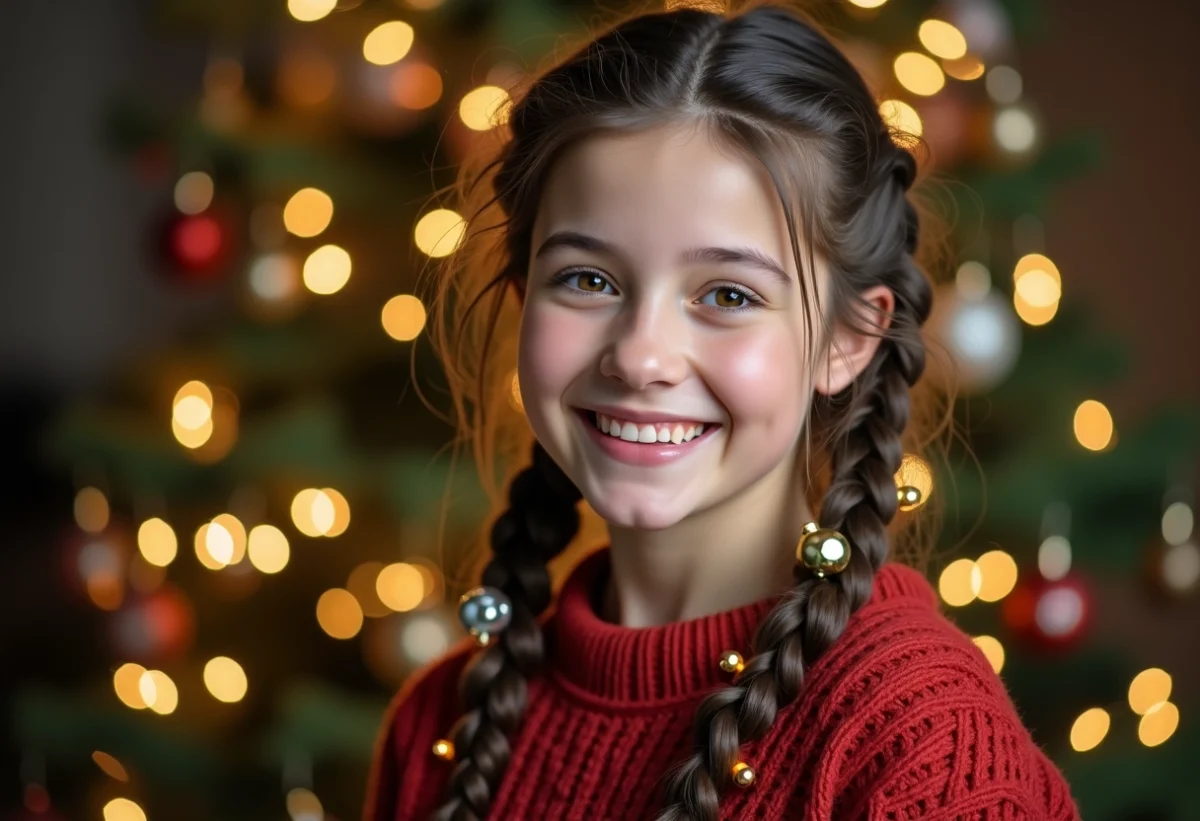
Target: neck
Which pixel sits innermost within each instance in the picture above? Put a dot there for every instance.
(718, 559)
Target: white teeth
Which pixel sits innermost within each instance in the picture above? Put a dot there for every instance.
(664, 435)
(677, 434)
(629, 432)
(647, 434)
(614, 428)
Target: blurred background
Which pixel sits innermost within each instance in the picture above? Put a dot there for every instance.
(224, 544)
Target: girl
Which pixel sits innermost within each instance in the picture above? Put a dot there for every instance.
(701, 223)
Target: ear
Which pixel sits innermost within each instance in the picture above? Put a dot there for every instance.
(848, 351)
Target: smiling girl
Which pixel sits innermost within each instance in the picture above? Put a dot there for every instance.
(699, 227)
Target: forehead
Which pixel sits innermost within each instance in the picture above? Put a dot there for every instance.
(658, 191)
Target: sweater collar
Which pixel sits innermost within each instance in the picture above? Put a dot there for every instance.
(672, 662)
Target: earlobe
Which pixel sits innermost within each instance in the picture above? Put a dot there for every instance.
(849, 351)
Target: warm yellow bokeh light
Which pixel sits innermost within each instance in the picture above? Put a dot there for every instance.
(159, 692)
(440, 232)
(192, 412)
(998, 575)
(126, 684)
(1089, 729)
(942, 39)
(484, 108)
(993, 650)
(157, 542)
(915, 472)
(308, 212)
(122, 809)
(1093, 425)
(1038, 289)
(203, 548)
(388, 43)
(327, 270)
(1031, 315)
(919, 74)
(965, 68)
(306, 11)
(403, 317)
(415, 85)
(400, 586)
(314, 512)
(110, 766)
(902, 116)
(1158, 724)
(960, 582)
(868, 4)
(341, 512)
(362, 584)
(1148, 689)
(339, 613)
(268, 549)
(225, 679)
(91, 510)
(193, 192)
(219, 543)
(237, 534)
(302, 804)
(1036, 262)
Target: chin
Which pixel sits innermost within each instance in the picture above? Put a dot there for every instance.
(636, 514)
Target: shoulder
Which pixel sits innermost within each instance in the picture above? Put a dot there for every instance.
(420, 713)
(917, 722)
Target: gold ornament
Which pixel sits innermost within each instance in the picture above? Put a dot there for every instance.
(743, 775)
(443, 749)
(823, 551)
(909, 497)
(731, 661)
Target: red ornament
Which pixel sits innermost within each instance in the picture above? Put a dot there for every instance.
(1049, 615)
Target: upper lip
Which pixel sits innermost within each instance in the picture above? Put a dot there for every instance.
(640, 416)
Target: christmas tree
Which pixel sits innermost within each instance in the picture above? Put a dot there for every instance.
(271, 529)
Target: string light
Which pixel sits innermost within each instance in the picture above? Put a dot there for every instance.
(1090, 729)
(122, 809)
(1148, 689)
(960, 582)
(440, 232)
(403, 317)
(157, 542)
(485, 107)
(339, 614)
(125, 684)
(415, 85)
(91, 510)
(965, 68)
(268, 548)
(903, 117)
(1158, 724)
(303, 805)
(919, 74)
(993, 650)
(1093, 425)
(1015, 130)
(400, 586)
(225, 679)
(388, 43)
(327, 270)
(942, 39)
(308, 212)
(998, 575)
(307, 11)
(158, 691)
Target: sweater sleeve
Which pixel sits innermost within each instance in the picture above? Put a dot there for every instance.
(405, 777)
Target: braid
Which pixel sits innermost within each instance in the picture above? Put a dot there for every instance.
(860, 502)
(540, 522)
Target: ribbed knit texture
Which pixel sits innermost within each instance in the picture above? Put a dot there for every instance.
(902, 718)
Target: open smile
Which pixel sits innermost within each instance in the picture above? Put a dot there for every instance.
(645, 443)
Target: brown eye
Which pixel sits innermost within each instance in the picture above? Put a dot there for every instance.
(590, 282)
(729, 298)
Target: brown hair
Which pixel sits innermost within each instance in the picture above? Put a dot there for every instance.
(768, 83)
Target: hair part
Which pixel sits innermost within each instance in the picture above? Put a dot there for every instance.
(770, 85)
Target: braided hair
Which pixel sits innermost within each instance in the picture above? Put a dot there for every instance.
(776, 88)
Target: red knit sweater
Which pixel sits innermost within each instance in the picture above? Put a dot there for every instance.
(901, 719)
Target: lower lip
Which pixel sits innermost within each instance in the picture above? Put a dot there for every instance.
(637, 453)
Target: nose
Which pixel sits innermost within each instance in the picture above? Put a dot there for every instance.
(650, 348)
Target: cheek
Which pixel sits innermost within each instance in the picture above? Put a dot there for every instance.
(553, 352)
(758, 377)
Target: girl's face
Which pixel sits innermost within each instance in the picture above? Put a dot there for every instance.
(663, 358)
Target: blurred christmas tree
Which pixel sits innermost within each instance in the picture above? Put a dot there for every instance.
(253, 629)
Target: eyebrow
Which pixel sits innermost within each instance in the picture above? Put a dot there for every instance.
(740, 255)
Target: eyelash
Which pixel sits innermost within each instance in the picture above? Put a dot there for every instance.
(753, 300)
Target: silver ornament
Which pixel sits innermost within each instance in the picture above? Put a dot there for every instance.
(484, 612)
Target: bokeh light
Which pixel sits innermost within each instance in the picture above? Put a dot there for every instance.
(1004, 84)
(484, 107)
(415, 85)
(1158, 724)
(225, 679)
(327, 270)
(919, 74)
(339, 613)
(1090, 729)
(1177, 523)
(902, 116)
(126, 681)
(1015, 130)
(1054, 557)
(306, 11)
(268, 549)
(308, 212)
(965, 68)
(1148, 689)
(193, 192)
(303, 805)
(998, 575)
(91, 510)
(110, 766)
(960, 582)
(159, 692)
(993, 650)
(403, 317)
(237, 535)
(388, 43)
(1093, 425)
(915, 472)
(440, 232)
(361, 583)
(400, 586)
(123, 809)
(942, 39)
(157, 542)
